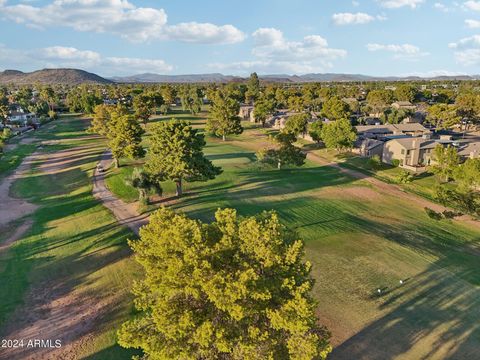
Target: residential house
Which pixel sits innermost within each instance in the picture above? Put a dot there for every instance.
(403, 105)
(470, 150)
(369, 147)
(21, 117)
(379, 131)
(246, 113)
(413, 153)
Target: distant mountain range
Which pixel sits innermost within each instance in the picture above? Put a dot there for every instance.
(76, 76)
(283, 78)
(51, 76)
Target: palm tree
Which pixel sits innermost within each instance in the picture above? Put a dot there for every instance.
(144, 183)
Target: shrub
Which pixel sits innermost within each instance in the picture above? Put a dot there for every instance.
(6, 134)
(396, 162)
(52, 115)
(432, 214)
(375, 162)
(404, 177)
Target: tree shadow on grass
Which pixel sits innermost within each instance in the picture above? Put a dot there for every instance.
(437, 316)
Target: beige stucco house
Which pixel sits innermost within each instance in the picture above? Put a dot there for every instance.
(413, 153)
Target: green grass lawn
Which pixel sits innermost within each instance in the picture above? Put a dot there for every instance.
(422, 185)
(359, 240)
(74, 245)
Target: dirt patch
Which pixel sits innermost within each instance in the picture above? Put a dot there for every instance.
(16, 235)
(51, 163)
(362, 193)
(51, 314)
(12, 208)
(56, 311)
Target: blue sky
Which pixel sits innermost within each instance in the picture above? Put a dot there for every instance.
(124, 37)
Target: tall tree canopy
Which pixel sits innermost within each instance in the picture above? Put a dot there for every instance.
(378, 100)
(406, 92)
(297, 124)
(334, 109)
(315, 130)
(446, 160)
(176, 153)
(253, 88)
(237, 288)
(285, 154)
(125, 136)
(143, 105)
(339, 135)
(191, 98)
(443, 116)
(223, 119)
(264, 107)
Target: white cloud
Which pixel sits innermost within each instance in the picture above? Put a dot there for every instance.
(396, 4)
(472, 5)
(400, 51)
(271, 44)
(467, 50)
(60, 56)
(472, 24)
(205, 33)
(273, 53)
(466, 43)
(118, 17)
(354, 18)
(441, 7)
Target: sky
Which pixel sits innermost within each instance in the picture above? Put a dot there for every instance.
(126, 37)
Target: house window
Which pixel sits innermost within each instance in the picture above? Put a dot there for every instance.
(403, 151)
(408, 152)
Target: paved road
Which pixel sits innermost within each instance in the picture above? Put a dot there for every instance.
(125, 213)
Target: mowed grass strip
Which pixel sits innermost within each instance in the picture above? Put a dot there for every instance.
(358, 240)
(74, 246)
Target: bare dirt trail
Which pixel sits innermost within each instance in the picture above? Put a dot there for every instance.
(56, 311)
(125, 213)
(12, 208)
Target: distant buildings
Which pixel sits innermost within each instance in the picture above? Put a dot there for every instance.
(410, 145)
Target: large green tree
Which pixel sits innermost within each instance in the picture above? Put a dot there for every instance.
(446, 160)
(124, 138)
(237, 288)
(379, 100)
(284, 154)
(467, 175)
(143, 105)
(191, 98)
(223, 119)
(406, 92)
(144, 183)
(264, 107)
(315, 130)
(176, 153)
(4, 110)
(253, 88)
(443, 116)
(334, 109)
(297, 123)
(339, 135)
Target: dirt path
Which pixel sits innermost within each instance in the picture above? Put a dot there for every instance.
(12, 208)
(55, 311)
(125, 213)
